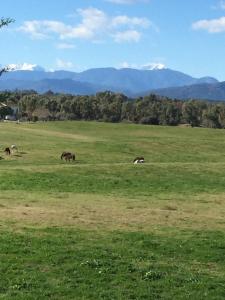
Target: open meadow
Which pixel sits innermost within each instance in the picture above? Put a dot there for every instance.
(104, 228)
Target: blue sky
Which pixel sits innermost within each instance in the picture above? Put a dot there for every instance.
(185, 35)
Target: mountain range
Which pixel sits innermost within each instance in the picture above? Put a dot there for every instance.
(131, 82)
(205, 91)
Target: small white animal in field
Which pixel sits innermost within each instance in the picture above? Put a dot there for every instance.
(139, 160)
(14, 148)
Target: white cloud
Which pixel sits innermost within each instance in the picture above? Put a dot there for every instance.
(61, 64)
(95, 25)
(127, 36)
(125, 65)
(147, 66)
(33, 28)
(153, 66)
(41, 29)
(65, 46)
(126, 21)
(212, 26)
(44, 29)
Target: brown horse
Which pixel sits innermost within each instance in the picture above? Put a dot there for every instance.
(7, 151)
(68, 156)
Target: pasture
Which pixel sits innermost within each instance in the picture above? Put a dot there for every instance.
(104, 228)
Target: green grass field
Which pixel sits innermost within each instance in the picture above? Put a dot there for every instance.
(103, 228)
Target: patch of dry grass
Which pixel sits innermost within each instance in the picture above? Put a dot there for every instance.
(112, 213)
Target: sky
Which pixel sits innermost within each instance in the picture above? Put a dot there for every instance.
(183, 35)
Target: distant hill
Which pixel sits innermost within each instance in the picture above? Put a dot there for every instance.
(127, 81)
(67, 86)
(215, 91)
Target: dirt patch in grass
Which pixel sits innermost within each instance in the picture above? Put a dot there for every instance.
(111, 213)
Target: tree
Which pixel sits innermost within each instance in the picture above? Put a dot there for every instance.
(4, 70)
(5, 110)
(5, 22)
(191, 112)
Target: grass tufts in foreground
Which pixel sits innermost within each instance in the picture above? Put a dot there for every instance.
(69, 264)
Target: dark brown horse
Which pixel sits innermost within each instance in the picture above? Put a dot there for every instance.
(68, 156)
(7, 151)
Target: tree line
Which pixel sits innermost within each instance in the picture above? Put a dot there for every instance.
(113, 107)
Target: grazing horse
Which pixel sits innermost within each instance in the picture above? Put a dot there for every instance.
(7, 151)
(64, 154)
(68, 156)
(14, 148)
(139, 160)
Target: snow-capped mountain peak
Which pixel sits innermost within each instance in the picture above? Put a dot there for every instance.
(25, 67)
(154, 66)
